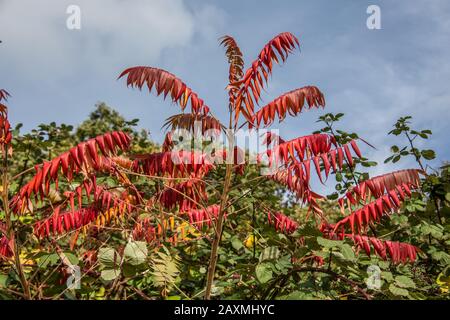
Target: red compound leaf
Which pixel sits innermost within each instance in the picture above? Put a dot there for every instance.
(257, 75)
(4, 95)
(292, 102)
(194, 123)
(186, 195)
(235, 60)
(397, 252)
(5, 132)
(173, 164)
(164, 83)
(5, 248)
(104, 205)
(82, 158)
(168, 142)
(201, 217)
(375, 210)
(402, 181)
(297, 155)
(282, 223)
(145, 229)
(61, 223)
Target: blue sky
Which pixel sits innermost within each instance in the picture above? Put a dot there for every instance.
(373, 76)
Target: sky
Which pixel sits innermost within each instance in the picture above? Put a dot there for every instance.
(373, 76)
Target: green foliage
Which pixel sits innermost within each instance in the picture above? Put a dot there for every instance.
(255, 261)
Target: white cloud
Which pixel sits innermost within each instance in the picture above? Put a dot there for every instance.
(37, 43)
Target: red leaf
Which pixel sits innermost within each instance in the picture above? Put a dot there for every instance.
(164, 82)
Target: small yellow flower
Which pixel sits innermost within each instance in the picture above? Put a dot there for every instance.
(26, 263)
(250, 241)
(443, 281)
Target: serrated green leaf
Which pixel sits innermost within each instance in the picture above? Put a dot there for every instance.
(135, 252)
(398, 291)
(404, 282)
(347, 252)
(263, 272)
(109, 274)
(386, 275)
(108, 257)
(236, 243)
(447, 196)
(328, 243)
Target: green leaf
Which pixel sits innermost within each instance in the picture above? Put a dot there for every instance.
(135, 252)
(48, 260)
(328, 243)
(347, 252)
(72, 258)
(404, 282)
(263, 272)
(129, 270)
(109, 274)
(386, 275)
(428, 154)
(4, 280)
(236, 243)
(296, 295)
(108, 257)
(447, 196)
(398, 291)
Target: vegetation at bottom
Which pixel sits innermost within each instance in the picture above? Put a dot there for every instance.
(99, 211)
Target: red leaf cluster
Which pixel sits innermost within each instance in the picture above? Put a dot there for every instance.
(377, 186)
(103, 200)
(5, 133)
(168, 142)
(292, 102)
(399, 252)
(298, 153)
(187, 195)
(294, 180)
(173, 164)
(194, 123)
(235, 60)
(389, 191)
(5, 248)
(4, 95)
(60, 223)
(199, 217)
(257, 75)
(164, 83)
(376, 209)
(145, 230)
(80, 158)
(282, 223)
